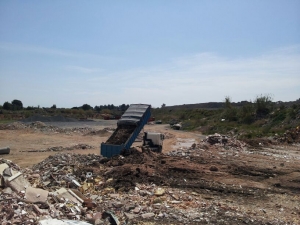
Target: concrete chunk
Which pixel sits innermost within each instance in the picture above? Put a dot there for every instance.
(147, 215)
(17, 182)
(34, 195)
(64, 193)
(3, 166)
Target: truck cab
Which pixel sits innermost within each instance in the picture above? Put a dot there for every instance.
(154, 141)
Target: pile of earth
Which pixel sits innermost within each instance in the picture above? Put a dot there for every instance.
(121, 135)
(49, 119)
(290, 136)
(149, 167)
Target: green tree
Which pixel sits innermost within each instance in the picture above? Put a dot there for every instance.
(53, 107)
(86, 107)
(7, 106)
(17, 104)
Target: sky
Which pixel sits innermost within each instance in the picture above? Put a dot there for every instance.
(71, 53)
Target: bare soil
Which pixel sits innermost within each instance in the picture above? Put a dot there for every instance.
(263, 182)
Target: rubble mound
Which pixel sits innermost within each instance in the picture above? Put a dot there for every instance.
(39, 126)
(143, 186)
(13, 126)
(149, 167)
(103, 132)
(290, 136)
(49, 119)
(61, 148)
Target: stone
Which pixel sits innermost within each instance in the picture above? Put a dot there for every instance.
(7, 191)
(159, 192)
(157, 200)
(34, 195)
(147, 215)
(118, 204)
(66, 195)
(38, 211)
(98, 222)
(129, 207)
(96, 216)
(3, 166)
(213, 168)
(114, 195)
(17, 182)
(7, 172)
(136, 210)
(130, 216)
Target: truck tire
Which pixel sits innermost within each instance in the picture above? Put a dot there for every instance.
(159, 149)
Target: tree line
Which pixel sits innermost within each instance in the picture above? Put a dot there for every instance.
(18, 105)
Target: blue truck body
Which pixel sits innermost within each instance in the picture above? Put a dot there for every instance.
(130, 125)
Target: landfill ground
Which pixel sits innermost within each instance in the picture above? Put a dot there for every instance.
(195, 180)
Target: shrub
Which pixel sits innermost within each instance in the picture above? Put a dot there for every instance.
(263, 105)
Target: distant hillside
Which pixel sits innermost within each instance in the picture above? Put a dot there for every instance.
(219, 105)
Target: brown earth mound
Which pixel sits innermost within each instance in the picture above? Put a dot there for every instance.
(121, 135)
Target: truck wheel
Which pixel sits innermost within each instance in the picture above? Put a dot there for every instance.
(159, 149)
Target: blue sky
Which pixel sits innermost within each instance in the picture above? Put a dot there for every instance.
(70, 53)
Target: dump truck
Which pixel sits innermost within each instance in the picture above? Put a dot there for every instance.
(128, 128)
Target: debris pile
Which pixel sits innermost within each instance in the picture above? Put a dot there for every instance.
(218, 141)
(61, 148)
(225, 141)
(38, 126)
(122, 190)
(290, 136)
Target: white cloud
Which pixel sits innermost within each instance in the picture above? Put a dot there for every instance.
(202, 77)
(209, 77)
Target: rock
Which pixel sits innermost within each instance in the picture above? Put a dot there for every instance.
(34, 195)
(157, 200)
(147, 215)
(17, 182)
(213, 168)
(159, 192)
(96, 216)
(118, 204)
(136, 210)
(98, 222)
(130, 216)
(7, 191)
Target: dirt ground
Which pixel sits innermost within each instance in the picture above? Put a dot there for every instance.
(21, 141)
(262, 182)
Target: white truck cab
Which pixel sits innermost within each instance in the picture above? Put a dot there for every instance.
(153, 140)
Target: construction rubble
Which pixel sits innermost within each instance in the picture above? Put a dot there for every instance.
(61, 148)
(218, 141)
(144, 186)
